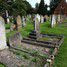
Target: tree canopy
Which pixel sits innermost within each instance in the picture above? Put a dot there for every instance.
(15, 7)
(41, 9)
(53, 5)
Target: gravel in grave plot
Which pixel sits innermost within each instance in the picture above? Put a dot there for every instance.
(35, 49)
(29, 60)
(10, 60)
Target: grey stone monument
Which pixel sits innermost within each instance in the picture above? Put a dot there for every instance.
(37, 25)
(3, 44)
(53, 20)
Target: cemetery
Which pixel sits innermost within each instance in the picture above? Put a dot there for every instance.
(33, 37)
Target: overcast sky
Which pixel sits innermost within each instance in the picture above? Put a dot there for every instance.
(33, 2)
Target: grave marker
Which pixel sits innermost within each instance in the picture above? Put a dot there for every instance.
(3, 44)
(37, 25)
(19, 22)
(53, 21)
(42, 19)
(24, 21)
(15, 39)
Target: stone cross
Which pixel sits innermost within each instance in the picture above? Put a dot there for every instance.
(3, 44)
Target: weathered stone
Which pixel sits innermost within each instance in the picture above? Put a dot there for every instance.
(19, 22)
(15, 39)
(42, 19)
(37, 25)
(3, 44)
(53, 21)
(8, 21)
(24, 21)
(9, 59)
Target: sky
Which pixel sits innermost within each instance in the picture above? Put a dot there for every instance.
(33, 2)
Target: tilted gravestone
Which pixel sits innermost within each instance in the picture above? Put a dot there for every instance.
(15, 39)
(3, 44)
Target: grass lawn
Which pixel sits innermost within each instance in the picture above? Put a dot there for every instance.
(1, 65)
(61, 58)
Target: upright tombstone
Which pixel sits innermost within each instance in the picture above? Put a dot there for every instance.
(3, 44)
(19, 22)
(24, 21)
(37, 25)
(53, 20)
(8, 21)
(59, 18)
(42, 19)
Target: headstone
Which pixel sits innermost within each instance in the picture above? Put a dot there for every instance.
(19, 22)
(15, 39)
(3, 44)
(24, 21)
(53, 21)
(8, 21)
(59, 18)
(42, 19)
(37, 25)
(46, 17)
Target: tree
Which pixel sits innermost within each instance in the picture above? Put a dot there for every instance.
(41, 9)
(53, 5)
(18, 8)
(29, 7)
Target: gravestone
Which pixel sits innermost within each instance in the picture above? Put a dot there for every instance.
(59, 18)
(3, 44)
(46, 17)
(36, 33)
(15, 39)
(8, 21)
(24, 21)
(19, 22)
(42, 19)
(37, 25)
(53, 21)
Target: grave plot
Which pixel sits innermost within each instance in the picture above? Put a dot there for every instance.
(50, 39)
(38, 51)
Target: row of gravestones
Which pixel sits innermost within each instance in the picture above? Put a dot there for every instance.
(56, 19)
(2, 30)
(36, 25)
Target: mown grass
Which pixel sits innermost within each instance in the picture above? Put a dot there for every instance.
(61, 58)
(1, 65)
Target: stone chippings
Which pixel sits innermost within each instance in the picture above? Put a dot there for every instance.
(9, 59)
